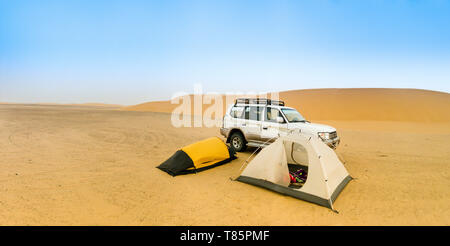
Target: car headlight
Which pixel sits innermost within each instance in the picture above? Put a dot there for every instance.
(324, 135)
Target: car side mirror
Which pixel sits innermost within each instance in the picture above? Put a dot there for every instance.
(280, 119)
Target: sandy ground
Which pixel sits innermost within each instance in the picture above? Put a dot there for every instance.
(68, 165)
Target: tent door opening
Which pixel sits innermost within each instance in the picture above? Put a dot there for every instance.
(297, 164)
(298, 175)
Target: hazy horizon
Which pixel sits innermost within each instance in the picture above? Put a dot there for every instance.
(130, 52)
(192, 93)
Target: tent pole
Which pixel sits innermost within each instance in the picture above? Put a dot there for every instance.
(246, 161)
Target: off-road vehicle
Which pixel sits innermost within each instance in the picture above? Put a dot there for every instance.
(257, 122)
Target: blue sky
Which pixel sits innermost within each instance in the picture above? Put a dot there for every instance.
(129, 52)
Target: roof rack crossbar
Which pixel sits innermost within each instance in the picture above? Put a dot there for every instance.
(262, 101)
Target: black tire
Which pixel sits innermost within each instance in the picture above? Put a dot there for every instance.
(237, 142)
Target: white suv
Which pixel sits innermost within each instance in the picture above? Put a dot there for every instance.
(257, 122)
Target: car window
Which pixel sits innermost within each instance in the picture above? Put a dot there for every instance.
(272, 114)
(253, 113)
(236, 112)
(293, 115)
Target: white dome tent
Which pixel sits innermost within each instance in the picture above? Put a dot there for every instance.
(270, 168)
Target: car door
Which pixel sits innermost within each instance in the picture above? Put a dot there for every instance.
(270, 128)
(252, 122)
(236, 120)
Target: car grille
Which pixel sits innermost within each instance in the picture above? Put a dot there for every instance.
(333, 135)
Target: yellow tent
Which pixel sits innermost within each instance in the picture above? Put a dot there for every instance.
(198, 156)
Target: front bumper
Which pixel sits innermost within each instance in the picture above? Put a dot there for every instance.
(332, 143)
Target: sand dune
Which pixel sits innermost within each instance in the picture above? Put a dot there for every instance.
(352, 104)
(69, 104)
(66, 165)
(97, 105)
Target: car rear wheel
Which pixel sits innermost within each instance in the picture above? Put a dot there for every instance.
(237, 142)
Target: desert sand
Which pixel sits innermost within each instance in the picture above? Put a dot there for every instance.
(412, 105)
(69, 165)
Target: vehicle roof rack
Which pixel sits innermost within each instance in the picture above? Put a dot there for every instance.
(262, 101)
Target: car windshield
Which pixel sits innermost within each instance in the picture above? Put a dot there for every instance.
(293, 115)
